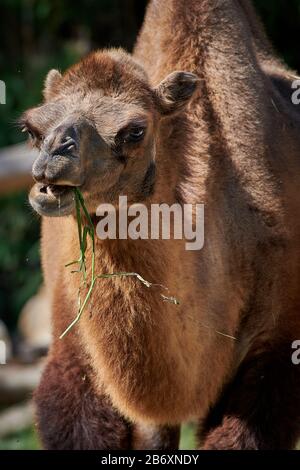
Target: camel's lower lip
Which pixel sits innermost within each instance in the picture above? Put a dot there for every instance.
(52, 200)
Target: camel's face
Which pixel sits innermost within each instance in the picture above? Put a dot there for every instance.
(97, 131)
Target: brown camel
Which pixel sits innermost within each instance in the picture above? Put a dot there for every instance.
(222, 131)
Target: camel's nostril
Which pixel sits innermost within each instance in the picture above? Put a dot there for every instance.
(43, 189)
(66, 140)
(71, 144)
(67, 146)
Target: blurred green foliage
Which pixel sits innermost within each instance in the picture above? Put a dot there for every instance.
(36, 35)
(24, 440)
(188, 437)
(19, 254)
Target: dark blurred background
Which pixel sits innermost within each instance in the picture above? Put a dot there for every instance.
(36, 35)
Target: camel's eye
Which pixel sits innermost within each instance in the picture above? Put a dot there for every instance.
(34, 137)
(135, 134)
(31, 134)
(28, 131)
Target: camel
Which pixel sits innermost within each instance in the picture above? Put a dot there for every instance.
(200, 113)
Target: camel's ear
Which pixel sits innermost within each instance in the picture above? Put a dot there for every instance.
(175, 91)
(51, 83)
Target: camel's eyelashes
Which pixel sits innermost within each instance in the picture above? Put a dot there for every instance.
(34, 137)
(27, 129)
(131, 134)
(29, 132)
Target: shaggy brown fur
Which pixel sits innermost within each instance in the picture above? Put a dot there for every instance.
(232, 142)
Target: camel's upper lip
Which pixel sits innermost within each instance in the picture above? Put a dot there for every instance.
(52, 200)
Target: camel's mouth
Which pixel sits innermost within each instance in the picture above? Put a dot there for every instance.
(52, 200)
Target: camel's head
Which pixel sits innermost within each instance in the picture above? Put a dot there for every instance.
(97, 130)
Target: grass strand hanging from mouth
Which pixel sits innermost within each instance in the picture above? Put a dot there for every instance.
(88, 230)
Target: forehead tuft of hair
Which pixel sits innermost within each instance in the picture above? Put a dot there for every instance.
(112, 71)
